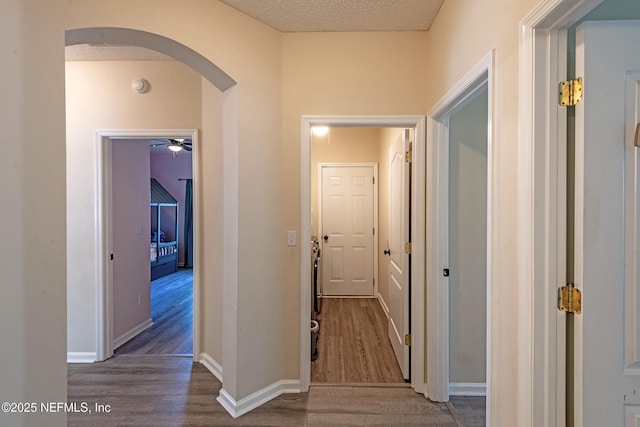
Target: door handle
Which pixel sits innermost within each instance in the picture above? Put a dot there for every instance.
(325, 237)
(387, 251)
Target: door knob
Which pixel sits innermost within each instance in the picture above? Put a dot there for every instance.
(325, 237)
(387, 251)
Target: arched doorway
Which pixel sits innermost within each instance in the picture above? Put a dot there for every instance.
(226, 85)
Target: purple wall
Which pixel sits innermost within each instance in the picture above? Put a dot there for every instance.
(167, 169)
(131, 225)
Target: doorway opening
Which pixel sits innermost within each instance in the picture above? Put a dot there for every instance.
(90, 299)
(168, 336)
(347, 128)
(170, 251)
(350, 223)
(476, 86)
(467, 241)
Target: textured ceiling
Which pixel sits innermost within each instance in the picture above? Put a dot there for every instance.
(341, 15)
(86, 52)
(296, 16)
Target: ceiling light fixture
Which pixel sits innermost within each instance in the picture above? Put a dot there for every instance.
(319, 130)
(174, 147)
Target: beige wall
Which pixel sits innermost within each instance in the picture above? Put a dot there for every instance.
(250, 53)
(459, 38)
(32, 186)
(99, 96)
(280, 77)
(211, 230)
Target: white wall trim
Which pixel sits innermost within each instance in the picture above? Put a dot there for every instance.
(467, 389)
(417, 227)
(103, 226)
(478, 79)
(214, 367)
(374, 167)
(132, 333)
(254, 400)
(542, 210)
(384, 305)
(81, 357)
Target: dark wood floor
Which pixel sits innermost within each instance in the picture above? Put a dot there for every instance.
(151, 390)
(353, 344)
(173, 391)
(172, 315)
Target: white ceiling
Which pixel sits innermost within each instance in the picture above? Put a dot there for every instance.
(341, 15)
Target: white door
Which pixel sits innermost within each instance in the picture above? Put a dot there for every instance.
(347, 230)
(398, 259)
(607, 333)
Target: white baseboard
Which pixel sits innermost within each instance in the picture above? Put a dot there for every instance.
(260, 397)
(384, 305)
(132, 333)
(214, 367)
(81, 357)
(467, 389)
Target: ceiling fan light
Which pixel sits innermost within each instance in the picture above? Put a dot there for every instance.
(175, 147)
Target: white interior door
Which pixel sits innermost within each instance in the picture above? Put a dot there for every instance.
(347, 230)
(607, 333)
(398, 259)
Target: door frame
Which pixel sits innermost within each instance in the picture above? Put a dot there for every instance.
(477, 80)
(417, 226)
(542, 210)
(104, 237)
(375, 212)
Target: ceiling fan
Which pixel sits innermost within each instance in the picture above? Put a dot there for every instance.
(173, 144)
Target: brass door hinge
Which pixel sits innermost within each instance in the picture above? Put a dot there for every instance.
(407, 339)
(570, 299)
(570, 92)
(407, 248)
(408, 156)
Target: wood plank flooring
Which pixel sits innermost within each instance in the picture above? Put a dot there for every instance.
(150, 390)
(353, 344)
(172, 314)
(469, 411)
(173, 391)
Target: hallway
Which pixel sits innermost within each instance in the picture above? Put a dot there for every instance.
(353, 344)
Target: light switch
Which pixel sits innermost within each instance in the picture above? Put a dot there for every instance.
(291, 238)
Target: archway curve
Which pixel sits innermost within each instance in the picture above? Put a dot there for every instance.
(162, 44)
(228, 87)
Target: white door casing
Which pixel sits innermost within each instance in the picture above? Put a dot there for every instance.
(398, 259)
(417, 281)
(347, 213)
(104, 246)
(542, 211)
(607, 333)
(478, 79)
